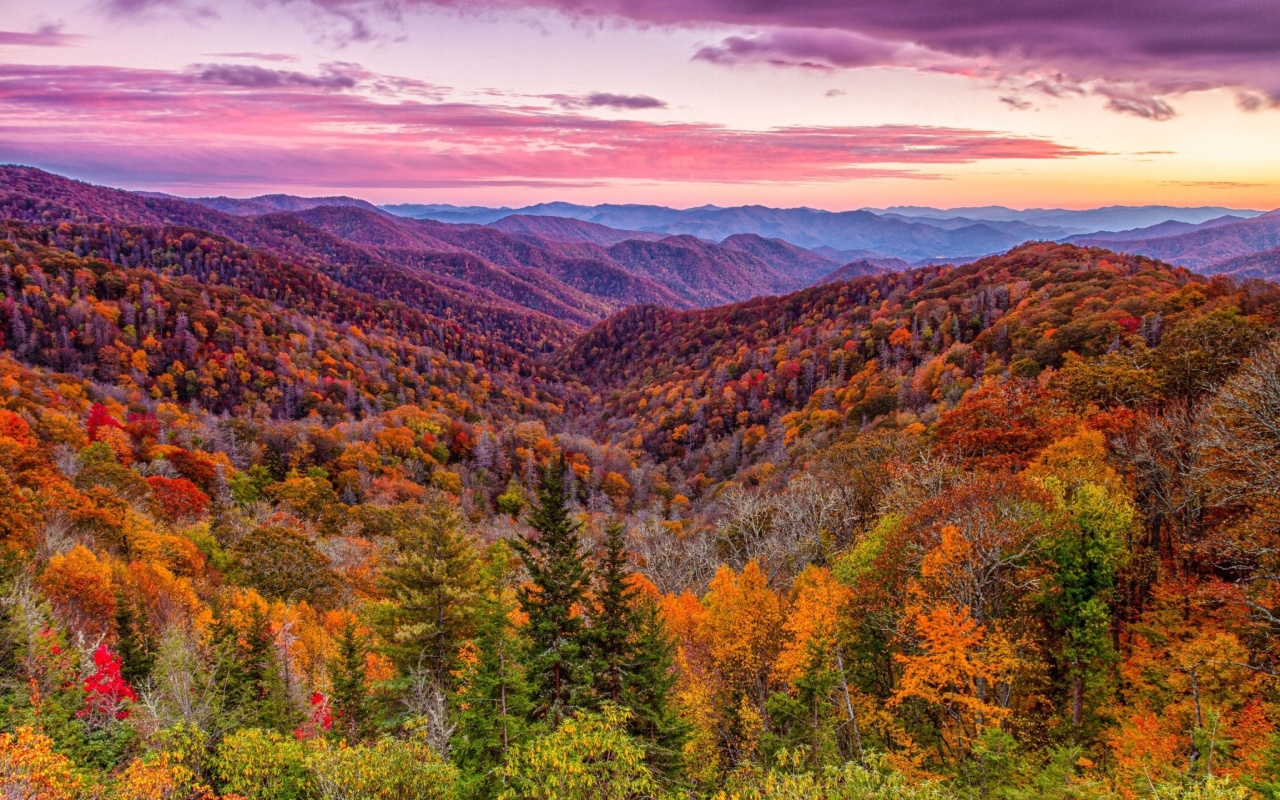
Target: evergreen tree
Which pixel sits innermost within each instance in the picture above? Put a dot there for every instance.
(806, 720)
(432, 584)
(133, 642)
(350, 697)
(253, 682)
(494, 698)
(559, 580)
(631, 654)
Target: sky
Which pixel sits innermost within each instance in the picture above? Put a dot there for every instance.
(832, 104)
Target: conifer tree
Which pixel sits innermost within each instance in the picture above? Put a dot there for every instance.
(559, 580)
(253, 684)
(432, 583)
(350, 697)
(133, 642)
(631, 654)
(494, 697)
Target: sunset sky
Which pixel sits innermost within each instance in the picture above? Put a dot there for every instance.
(828, 103)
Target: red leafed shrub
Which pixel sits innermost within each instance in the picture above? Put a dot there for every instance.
(198, 468)
(106, 690)
(100, 418)
(321, 713)
(142, 426)
(177, 498)
(321, 718)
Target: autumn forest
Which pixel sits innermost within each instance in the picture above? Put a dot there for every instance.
(325, 504)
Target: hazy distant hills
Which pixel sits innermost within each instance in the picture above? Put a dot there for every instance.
(805, 227)
(567, 229)
(1109, 218)
(272, 203)
(1167, 228)
(1227, 245)
(911, 233)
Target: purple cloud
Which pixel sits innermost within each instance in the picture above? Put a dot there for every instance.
(1138, 104)
(625, 102)
(256, 56)
(1135, 47)
(45, 36)
(247, 76)
(827, 49)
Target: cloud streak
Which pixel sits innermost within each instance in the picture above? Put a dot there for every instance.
(46, 36)
(617, 102)
(214, 127)
(256, 56)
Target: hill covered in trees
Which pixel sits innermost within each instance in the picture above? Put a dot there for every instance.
(288, 511)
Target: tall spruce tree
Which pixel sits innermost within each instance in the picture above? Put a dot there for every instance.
(494, 695)
(351, 710)
(632, 655)
(253, 688)
(559, 579)
(134, 642)
(432, 583)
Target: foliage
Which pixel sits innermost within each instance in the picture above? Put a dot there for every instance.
(264, 765)
(1003, 529)
(589, 757)
(388, 769)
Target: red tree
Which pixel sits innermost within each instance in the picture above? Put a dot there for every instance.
(106, 691)
(177, 498)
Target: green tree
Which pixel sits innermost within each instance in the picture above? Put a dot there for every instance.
(493, 698)
(559, 580)
(511, 501)
(432, 583)
(133, 641)
(253, 689)
(263, 765)
(389, 769)
(631, 653)
(1086, 553)
(351, 710)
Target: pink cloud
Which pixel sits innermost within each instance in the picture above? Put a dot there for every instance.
(215, 127)
(1134, 48)
(256, 56)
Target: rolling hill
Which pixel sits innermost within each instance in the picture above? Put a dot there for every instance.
(1209, 248)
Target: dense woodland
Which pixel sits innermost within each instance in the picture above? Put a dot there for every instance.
(1006, 529)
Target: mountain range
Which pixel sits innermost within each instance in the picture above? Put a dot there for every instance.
(1225, 245)
(559, 267)
(910, 234)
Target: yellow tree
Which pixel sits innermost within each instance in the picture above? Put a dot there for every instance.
(960, 670)
(29, 768)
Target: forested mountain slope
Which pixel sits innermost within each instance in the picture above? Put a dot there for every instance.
(695, 385)
(541, 290)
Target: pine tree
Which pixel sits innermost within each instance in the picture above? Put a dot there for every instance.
(612, 625)
(494, 697)
(559, 577)
(133, 642)
(252, 679)
(432, 583)
(350, 697)
(631, 654)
